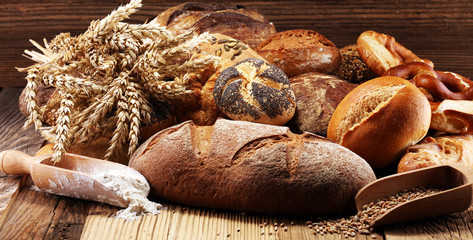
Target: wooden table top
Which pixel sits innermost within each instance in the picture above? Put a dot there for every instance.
(440, 30)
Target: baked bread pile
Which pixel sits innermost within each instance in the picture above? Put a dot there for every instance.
(288, 123)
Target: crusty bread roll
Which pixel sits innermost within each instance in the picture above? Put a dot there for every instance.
(200, 107)
(438, 150)
(246, 25)
(317, 95)
(245, 166)
(300, 51)
(255, 91)
(352, 68)
(380, 119)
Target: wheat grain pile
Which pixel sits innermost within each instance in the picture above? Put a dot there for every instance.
(106, 78)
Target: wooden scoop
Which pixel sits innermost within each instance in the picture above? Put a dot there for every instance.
(69, 177)
(457, 197)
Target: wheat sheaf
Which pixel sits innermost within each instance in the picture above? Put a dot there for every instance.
(107, 77)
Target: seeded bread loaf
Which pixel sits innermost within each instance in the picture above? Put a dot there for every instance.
(236, 21)
(200, 106)
(352, 68)
(300, 51)
(255, 91)
(245, 166)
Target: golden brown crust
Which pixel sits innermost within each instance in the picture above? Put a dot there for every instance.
(244, 166)
(381, 118)
(453, 116)
(318, 95)
(300, 51)
(381, 52)
(438, 150)
(246, 25)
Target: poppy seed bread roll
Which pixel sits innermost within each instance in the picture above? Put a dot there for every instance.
(380, 119)
(245, 166)
(255, 91)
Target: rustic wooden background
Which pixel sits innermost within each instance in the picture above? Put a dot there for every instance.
(439, 30)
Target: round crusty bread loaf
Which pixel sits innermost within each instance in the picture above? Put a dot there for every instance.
(253, 90)
(245, 166)
(300, 51)
(318, 95)
(380, 118)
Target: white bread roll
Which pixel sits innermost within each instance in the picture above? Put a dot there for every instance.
(380, 119)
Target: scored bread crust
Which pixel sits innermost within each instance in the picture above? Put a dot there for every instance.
(238, 22)
(300, 51)
(380, 118)
(244, 166)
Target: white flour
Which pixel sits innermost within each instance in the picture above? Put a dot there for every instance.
(133, 188)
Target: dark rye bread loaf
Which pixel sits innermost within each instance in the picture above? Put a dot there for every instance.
(245, 166)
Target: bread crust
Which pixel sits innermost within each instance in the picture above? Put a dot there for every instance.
(244, 166)
(246, 25)
(438, 150)
(255, 91)
(318, 95)
(381, 118)
(300, 51)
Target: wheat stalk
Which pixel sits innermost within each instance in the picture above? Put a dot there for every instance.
(108, 76)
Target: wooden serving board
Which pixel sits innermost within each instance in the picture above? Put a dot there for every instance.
(35, 215)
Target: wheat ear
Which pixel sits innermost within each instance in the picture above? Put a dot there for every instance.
(63, 123)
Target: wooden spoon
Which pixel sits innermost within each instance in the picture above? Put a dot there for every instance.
(69, 177)
(456, 179)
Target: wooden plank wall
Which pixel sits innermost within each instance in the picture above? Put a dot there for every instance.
(439, 30)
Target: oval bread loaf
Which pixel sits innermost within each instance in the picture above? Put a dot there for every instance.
(245, 166)
(247, 25)
(299, 51)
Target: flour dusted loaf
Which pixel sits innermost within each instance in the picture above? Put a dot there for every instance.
(245, 166)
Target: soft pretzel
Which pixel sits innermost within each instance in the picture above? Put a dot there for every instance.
(442, 85)
(381, 52)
